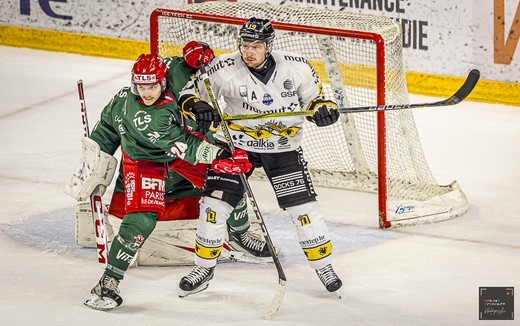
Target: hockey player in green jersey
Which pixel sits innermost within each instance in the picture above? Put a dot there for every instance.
(164, 156)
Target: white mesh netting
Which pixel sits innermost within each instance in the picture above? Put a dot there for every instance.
(359, 60)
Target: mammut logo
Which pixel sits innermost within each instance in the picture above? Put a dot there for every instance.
(296, 59)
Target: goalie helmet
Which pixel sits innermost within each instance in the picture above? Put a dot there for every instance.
(149, 69)
(256, 29)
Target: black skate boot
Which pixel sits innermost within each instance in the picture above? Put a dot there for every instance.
(105, 294)
(196, 281)
(329, 278)
(248, 247)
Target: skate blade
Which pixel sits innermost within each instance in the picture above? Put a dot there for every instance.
(201, 288)
(98, 303)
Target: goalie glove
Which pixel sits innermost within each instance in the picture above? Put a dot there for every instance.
(221, 160)
(325, 112)
(95, 169)
(197, 53)
(201, 112)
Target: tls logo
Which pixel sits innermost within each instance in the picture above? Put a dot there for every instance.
(144, 79)
(141, 120)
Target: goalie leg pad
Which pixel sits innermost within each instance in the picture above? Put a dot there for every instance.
(312, 233)
(84, 227)
(95, 168)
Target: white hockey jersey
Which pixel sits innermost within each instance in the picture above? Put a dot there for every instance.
(290, 88)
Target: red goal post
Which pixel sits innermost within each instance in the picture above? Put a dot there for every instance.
(359, 60)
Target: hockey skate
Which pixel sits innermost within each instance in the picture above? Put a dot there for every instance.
(105, 294)
(329, 278)
(248, 247)
(196, 281)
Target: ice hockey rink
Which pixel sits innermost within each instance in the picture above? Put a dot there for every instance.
(421, 275)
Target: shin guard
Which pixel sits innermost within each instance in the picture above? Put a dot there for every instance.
(312, 233)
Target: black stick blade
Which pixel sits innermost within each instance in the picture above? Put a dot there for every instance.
(466, 88)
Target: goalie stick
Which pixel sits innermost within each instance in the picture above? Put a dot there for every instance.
(459, 96)
(280, 292)
(96, 202)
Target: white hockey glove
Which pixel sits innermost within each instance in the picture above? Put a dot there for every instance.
(222, 161)
(95, 168)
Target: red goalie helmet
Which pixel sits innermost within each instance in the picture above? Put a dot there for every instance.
(149, 69)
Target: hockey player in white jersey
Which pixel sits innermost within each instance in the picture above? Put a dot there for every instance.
(258, 79)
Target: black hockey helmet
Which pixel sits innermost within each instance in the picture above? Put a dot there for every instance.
(256, 29)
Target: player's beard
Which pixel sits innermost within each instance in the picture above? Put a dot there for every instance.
(253, 62)
(149, 100)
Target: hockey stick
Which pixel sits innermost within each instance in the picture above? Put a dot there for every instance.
(280, 292)
(95, 198)
(459, 96)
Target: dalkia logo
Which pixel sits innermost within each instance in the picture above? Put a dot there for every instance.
(261, 143)
(403, 209)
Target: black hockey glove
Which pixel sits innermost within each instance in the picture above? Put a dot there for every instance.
(325, 112)
(201, 112)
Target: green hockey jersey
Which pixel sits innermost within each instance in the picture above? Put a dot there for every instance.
(156, 133)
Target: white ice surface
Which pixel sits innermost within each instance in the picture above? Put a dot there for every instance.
(422, 275)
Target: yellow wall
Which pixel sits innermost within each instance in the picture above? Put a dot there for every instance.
(418, 83)
(48, 40)
(444, 86)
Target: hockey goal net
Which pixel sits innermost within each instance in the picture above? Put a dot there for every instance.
(359, 60)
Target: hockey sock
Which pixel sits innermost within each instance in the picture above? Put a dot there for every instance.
(238, 221)
(134, 230)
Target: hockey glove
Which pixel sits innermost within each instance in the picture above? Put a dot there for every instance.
(325, 112)
(201, 112)
(236, 164)
(197, 53)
